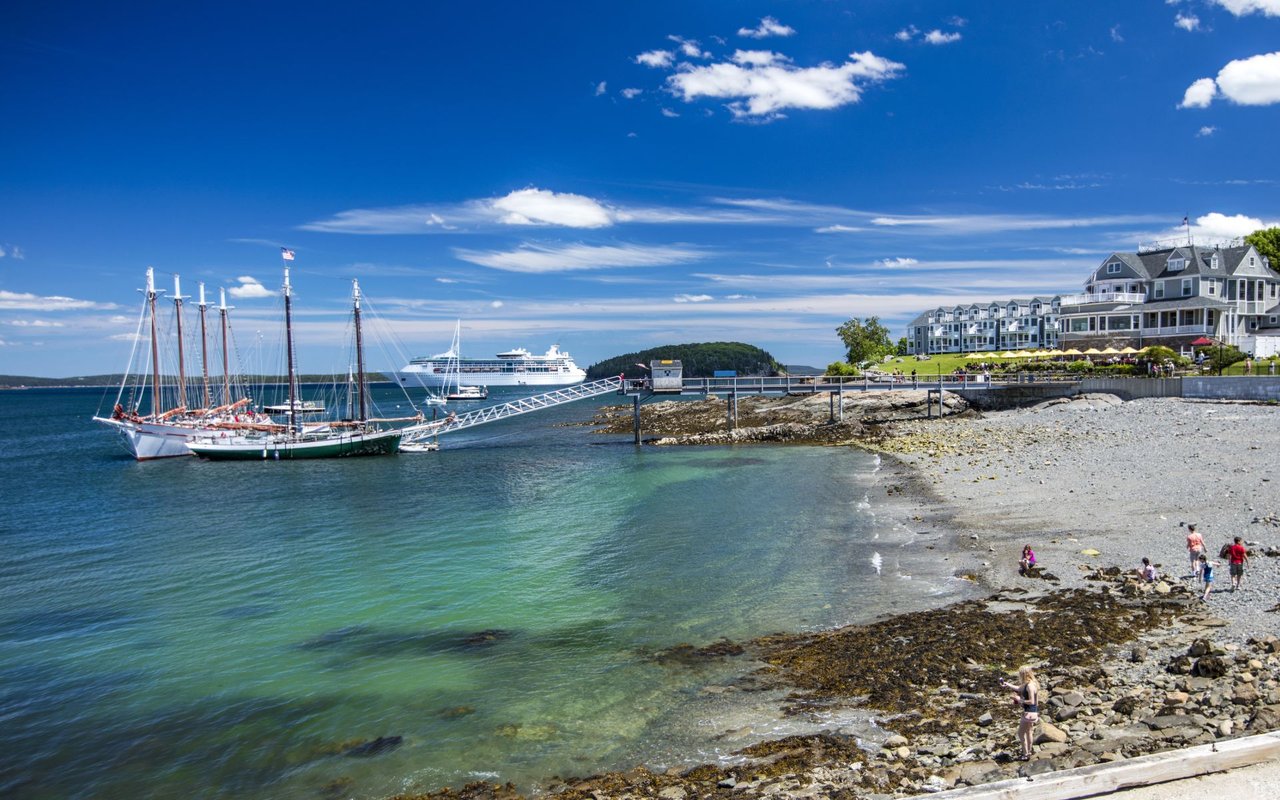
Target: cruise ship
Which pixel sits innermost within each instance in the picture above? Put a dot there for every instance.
(516, 367)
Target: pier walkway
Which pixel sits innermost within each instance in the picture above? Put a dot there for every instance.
(639, 390)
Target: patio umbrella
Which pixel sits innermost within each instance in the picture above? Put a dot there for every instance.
(1072, 352)
(1128, 351)
(1111, 351)
(1023, 354)
(1093, 351)
(1008, 354)
(1055, 353)
(1203, 341)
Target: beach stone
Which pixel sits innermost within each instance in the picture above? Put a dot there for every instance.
(1266, 718)
(1199, 647)
(1138, 654)
(1073, 698)
(1050, 733)
(1176, 698)
(986, 719)
(1225, 727)
(1210, 667)
(1245, 694)
(672, 793)
(1066, 713)
(895, 741)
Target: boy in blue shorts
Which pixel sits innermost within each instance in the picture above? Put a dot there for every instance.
(1206, 575)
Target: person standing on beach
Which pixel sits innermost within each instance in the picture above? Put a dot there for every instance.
(1026, 696)
(1195, 548)
(1238, 555)
(1206, 574)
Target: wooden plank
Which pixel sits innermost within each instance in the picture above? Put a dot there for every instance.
(1097, 779)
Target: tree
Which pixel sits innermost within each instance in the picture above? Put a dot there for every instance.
(903, 347)
(1267, 242)
(865, 341)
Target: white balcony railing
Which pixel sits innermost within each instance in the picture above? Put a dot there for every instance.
(1107, 297)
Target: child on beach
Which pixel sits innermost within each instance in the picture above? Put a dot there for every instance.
(1195, 548)
(1147, 571)
(1027, 697)
(1028, 560)
(1206, 575)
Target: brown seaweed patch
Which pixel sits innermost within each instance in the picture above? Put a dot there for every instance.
(688, 654)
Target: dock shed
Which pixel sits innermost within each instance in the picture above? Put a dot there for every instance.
(667, 375)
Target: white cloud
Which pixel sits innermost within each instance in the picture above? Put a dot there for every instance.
(249, 288)
(445, 280)
(13, 252)
(1199, 94)
(689, 47)
(693, 298)
(35, 323)
(666, 112)
(1206, 130)
(1252, 81)
(996, 223)
(534, 258)
(496, 304)
(897, 262)
(1240, 8)
(936, 36)
(907, 33)
(656, 58)
(1188, 22)
(127, 337)
(631, 94)
(1115, 34)
(840, 229)
(24, 301)
(1215, 225)
(765, 88)
(601, 88)
(767, 27)
(542, 207)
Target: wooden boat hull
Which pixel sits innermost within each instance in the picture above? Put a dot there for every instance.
(277, 448)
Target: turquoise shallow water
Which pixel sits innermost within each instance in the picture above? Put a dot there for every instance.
(220, 630)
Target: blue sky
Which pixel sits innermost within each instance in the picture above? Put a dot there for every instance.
(609, 176)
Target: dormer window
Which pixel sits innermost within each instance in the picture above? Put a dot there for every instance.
(1213, 262)
(1113, 268)
(1176, 264)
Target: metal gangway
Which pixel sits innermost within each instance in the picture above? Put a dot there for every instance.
(455, 422)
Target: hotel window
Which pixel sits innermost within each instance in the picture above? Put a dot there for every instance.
(1113, 269)
(1213, 263)
(1176, 264)
(1159, 290)
(1186, 287)
(1212, 286)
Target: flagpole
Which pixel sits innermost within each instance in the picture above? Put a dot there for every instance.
(1186, 220)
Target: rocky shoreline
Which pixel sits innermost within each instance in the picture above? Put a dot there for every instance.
(1129, 668)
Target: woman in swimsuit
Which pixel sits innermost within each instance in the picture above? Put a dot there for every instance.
(1027, 696)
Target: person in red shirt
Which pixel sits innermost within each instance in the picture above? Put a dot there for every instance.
(1239, 556)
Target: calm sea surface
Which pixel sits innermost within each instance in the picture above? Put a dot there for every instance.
(184, 628)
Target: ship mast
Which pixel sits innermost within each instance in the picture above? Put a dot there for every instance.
(177, 313)
(155, 348)
(288, 346)
(222, 317)
(355, 293)
(204, 348)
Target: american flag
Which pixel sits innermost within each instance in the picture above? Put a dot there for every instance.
(286, 254)
(1184, 220)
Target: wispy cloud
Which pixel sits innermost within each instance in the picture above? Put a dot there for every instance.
(767, 27)
(693, 298)
(36, 323)
(601, 88)
(24, 301)
(936, 36)
(1206, 130)
(538, 258)
(11, 251)
(1187, 22)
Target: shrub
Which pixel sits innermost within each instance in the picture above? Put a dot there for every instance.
(842, 368)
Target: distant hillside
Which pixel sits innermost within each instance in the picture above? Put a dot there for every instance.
(698, 360)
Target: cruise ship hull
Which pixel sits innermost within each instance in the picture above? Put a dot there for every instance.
(411, 376)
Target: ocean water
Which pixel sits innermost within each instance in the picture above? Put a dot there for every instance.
(185, 628)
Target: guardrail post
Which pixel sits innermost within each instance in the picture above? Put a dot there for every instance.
(635, 416)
